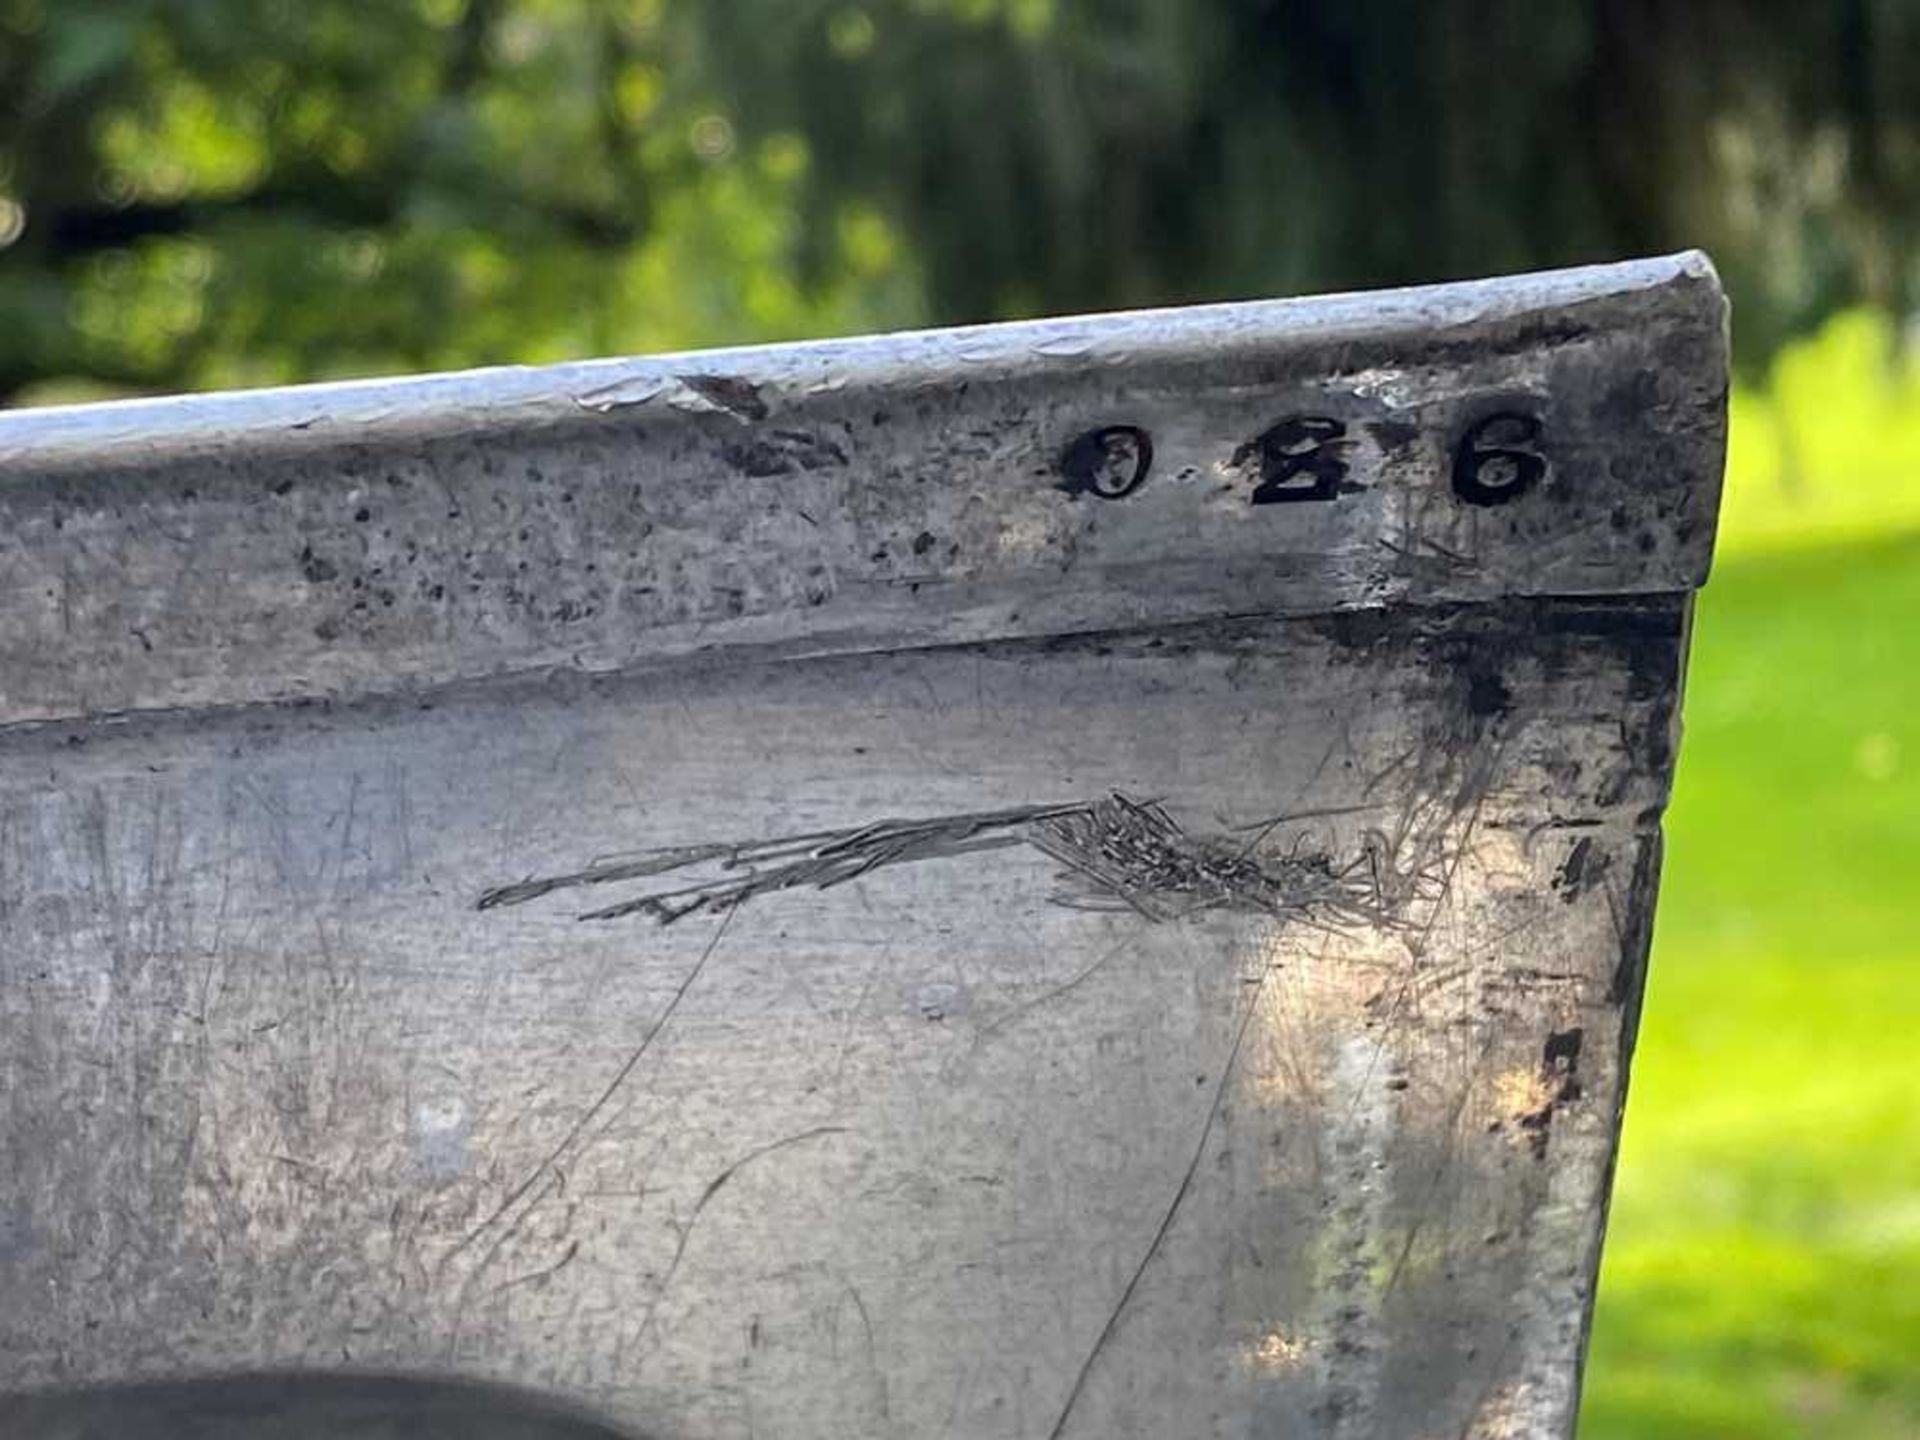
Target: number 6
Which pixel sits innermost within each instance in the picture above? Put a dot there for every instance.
(1495, 462)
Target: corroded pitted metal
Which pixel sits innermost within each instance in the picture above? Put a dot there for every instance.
(1119, 856)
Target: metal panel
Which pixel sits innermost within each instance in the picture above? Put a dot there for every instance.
(1119, 856)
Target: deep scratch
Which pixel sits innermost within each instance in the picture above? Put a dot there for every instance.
(714, 1187)
(613, 1086)
(1115, 853)
(1107, 1331)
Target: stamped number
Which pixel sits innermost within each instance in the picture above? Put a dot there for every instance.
(1498, 459)
(1109, 462)
(1301, 458)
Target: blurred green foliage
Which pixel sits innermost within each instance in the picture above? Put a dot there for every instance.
(1828, 448)
(231, 192)
(216, 192)
(199, 193)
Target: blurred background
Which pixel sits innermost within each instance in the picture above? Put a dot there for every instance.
(202, 193)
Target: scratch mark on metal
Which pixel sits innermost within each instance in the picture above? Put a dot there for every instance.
(566, 1259)
(873, 1364)
(714, 1187)
(1450, 1142)
(1107, 1330)
(613, 1086)
(463, 1296)
(1067, 987)
(1479, 788)
(738, 398)
(1115, 853)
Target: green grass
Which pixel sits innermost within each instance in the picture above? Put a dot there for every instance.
(1762, 1275)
